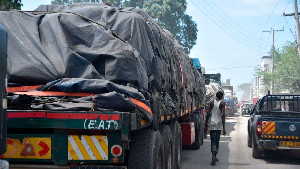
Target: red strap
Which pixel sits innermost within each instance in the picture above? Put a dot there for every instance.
(22, 88)
(180, 67)
(142, 105)
(51, 93)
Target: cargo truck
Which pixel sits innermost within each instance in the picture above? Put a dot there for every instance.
(3, 62)
(230, 98)
(92, 85)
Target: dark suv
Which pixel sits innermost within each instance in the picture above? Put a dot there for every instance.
(247, 108)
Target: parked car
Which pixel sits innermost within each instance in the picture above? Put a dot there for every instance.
(274, 124)
(247, 108)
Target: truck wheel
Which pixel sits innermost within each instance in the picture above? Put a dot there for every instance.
(196, 119)
(177, 144)
(168, 145)
(256, 153)
(146, 149)
(249, 142)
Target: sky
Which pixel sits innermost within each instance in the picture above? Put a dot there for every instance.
(230, 36)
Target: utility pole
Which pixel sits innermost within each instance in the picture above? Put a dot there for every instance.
(273, 54)
(296, 15)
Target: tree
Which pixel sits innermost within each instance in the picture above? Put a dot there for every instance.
(227, 83)
(10, 4)
(286, 75)
(170, 14)
(246, 88)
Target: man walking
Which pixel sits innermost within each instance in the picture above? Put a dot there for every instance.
(215, 120)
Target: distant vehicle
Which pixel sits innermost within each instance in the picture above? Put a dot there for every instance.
(228, 104)
(274, 124)
(231, 97)
(243, 102)
(214, 78)
(247, 108)
(255, 100)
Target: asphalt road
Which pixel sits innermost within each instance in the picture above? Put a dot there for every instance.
(234, 152)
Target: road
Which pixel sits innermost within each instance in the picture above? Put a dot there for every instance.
(235, 154)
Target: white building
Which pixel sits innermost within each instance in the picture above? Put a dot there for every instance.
(261, 89)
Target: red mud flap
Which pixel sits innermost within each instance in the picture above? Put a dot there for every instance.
(188, 133)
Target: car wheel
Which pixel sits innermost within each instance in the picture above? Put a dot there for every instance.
(249, 142)
(256, 153)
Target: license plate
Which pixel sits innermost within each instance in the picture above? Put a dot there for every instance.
(28, 148)
(289, 144)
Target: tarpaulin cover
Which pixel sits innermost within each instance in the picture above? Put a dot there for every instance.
(93, 41)
(211, 91)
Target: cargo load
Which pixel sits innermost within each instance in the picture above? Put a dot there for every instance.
(97, 46)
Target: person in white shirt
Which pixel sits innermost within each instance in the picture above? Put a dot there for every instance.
(215, 121)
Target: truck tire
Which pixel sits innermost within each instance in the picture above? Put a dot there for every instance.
(146, 150)
(196, 119)
(177, 144)
(256, 153)
(249, 142)
(168, 145)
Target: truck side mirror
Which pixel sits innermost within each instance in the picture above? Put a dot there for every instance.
(3, 102)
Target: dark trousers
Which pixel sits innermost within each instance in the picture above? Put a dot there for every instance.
(215, 138)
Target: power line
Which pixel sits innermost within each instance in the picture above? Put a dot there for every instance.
(281, 15)
(250, 58)
(248, 37)
(271, 13)
(232, 68)
(286, 23)
(222, 28)
(232, 19)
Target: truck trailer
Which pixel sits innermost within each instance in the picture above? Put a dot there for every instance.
(3, 130)
(95, 86)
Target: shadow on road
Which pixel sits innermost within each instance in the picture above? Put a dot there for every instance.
(282, 157)
(194, 159)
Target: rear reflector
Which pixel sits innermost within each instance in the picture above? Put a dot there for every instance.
(258, 127)
(116, 150)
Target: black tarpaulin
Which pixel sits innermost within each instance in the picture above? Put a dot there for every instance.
(43, 48)
(100, 49)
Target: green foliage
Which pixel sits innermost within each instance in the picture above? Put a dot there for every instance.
(10, 4)
(244, 86)
(170, 14)
(286, 74)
